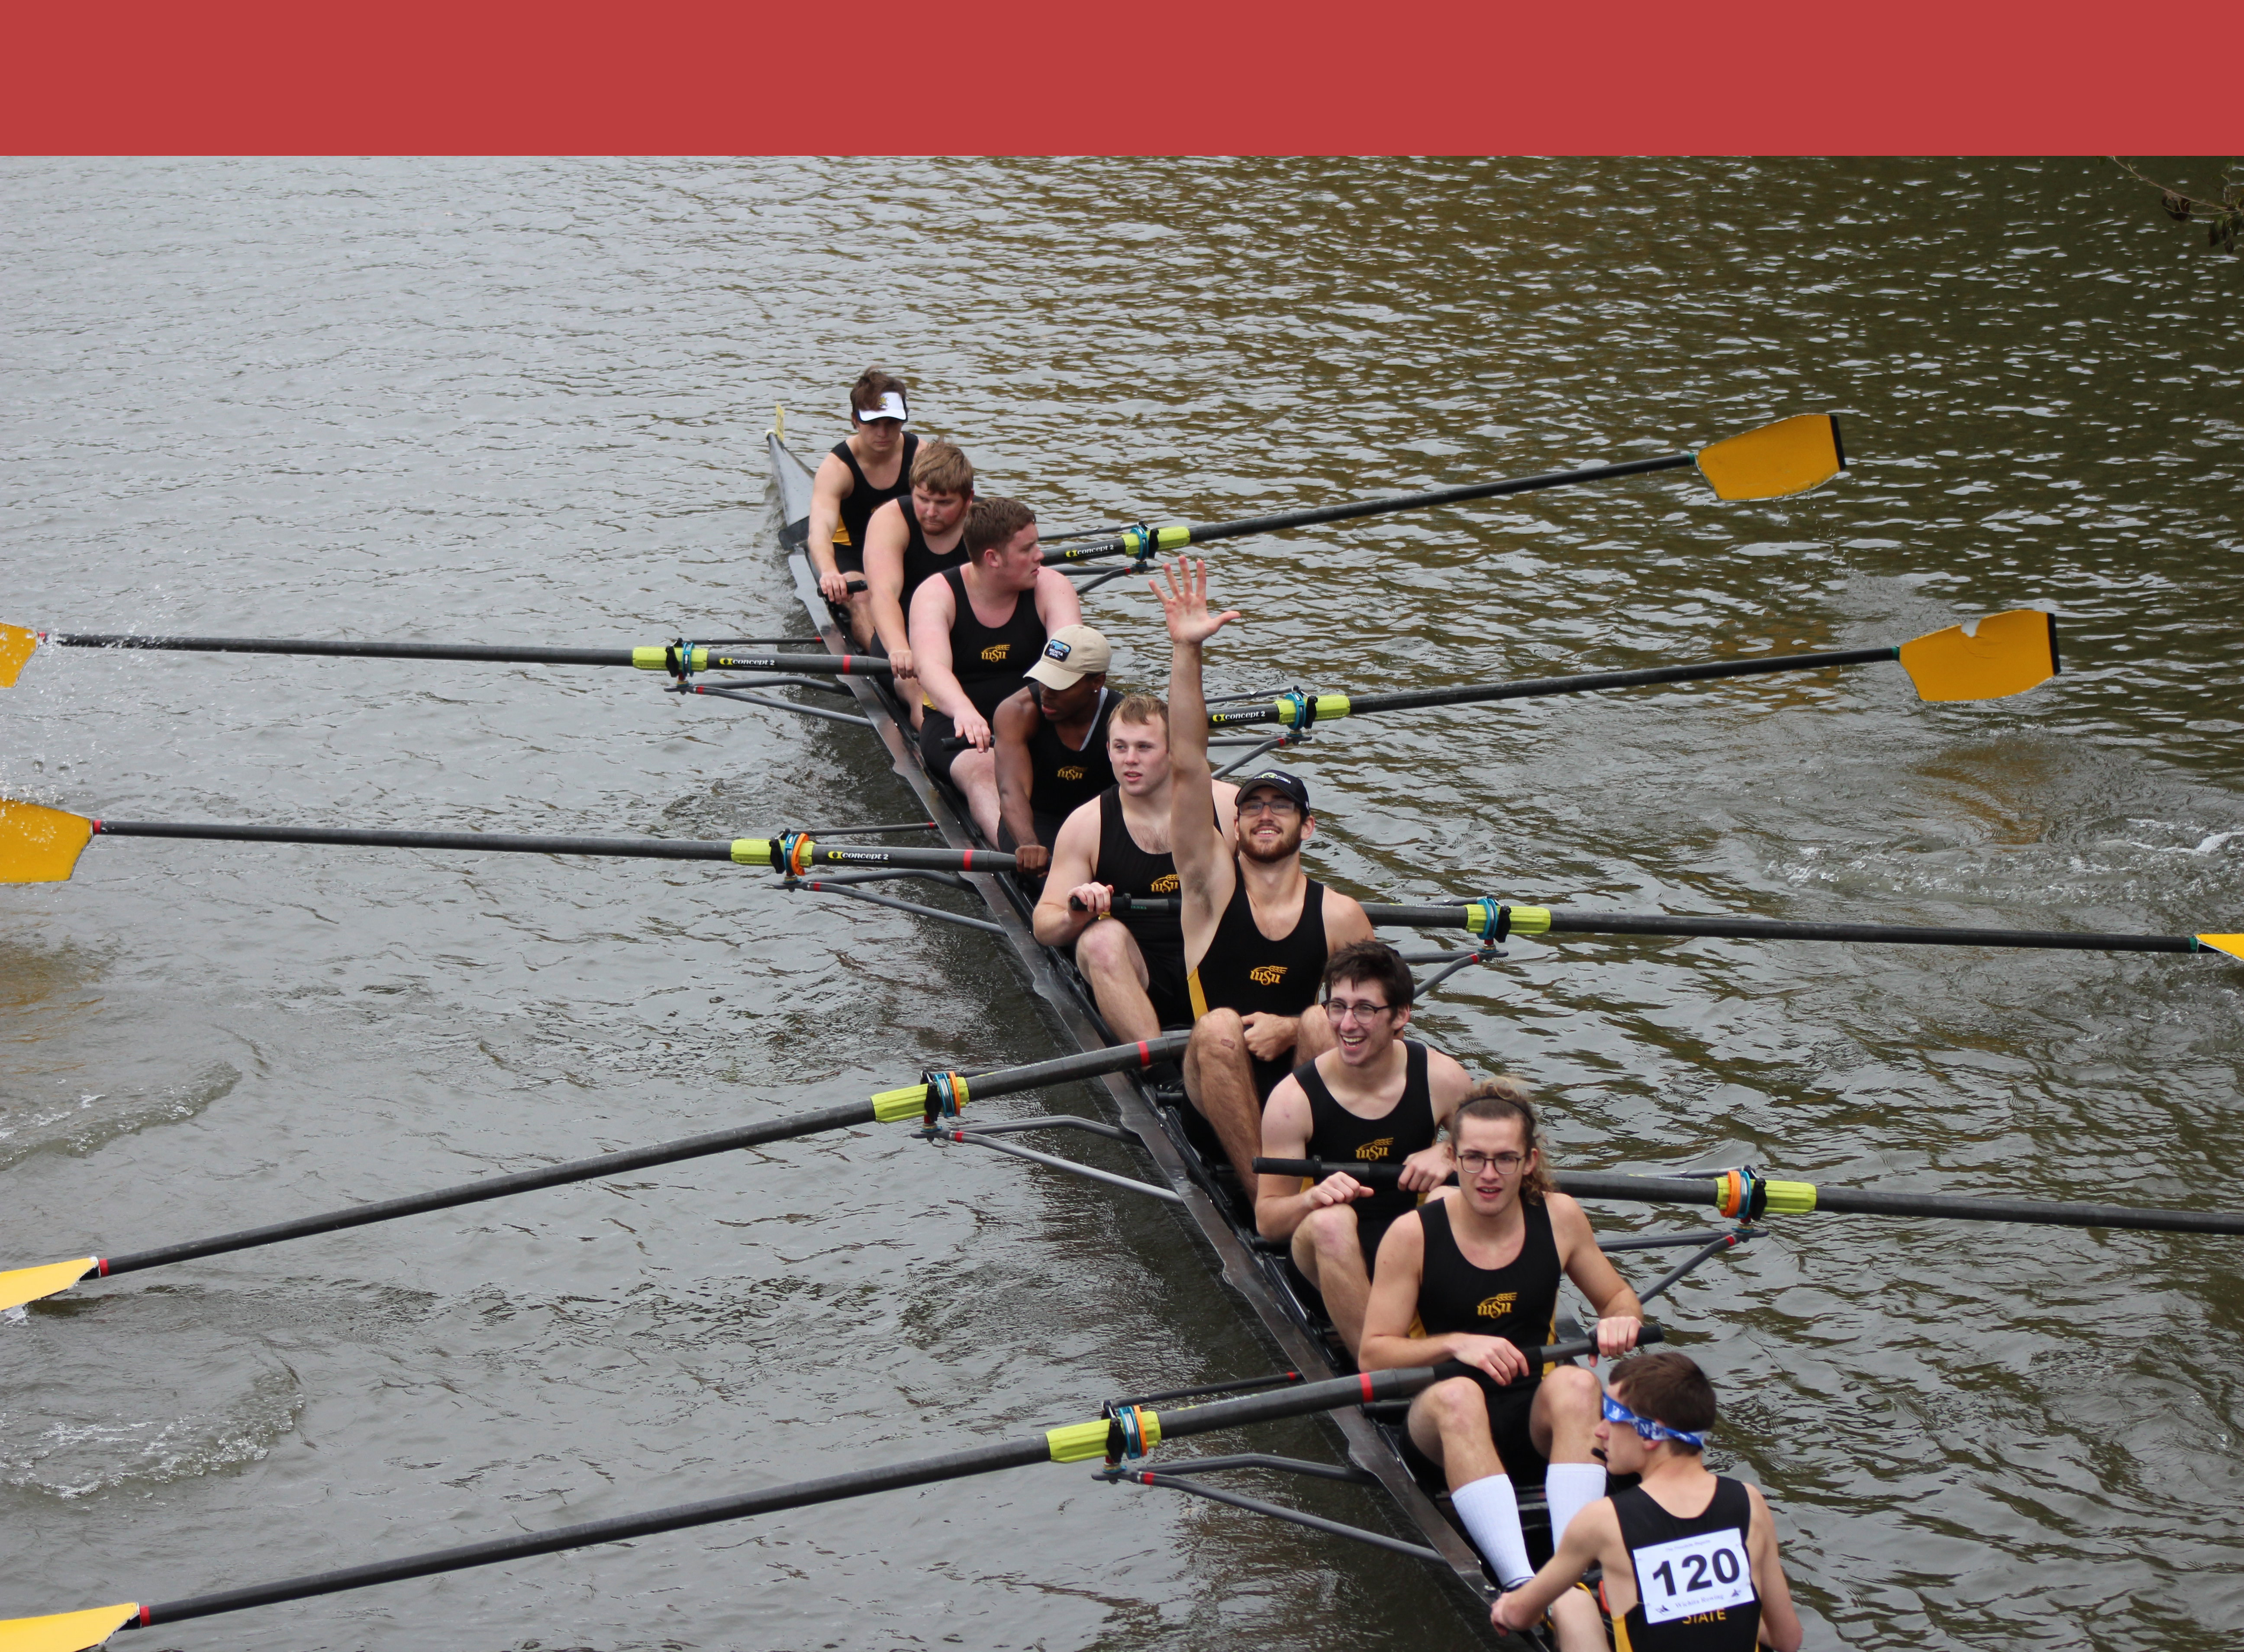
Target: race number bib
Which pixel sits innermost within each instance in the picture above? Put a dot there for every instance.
(1708, 1573)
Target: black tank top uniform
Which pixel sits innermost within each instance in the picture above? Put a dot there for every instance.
(989, 662)
(1343, 1138)
(1694, 1584)
(1517, 1302)
(921, 564)
(1062, 778)
(862, 499)
(1245, 970)
(1128, 869)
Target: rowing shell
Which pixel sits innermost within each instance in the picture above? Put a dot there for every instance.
(1154, 1116)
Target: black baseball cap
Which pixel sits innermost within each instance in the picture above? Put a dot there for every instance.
(1277, 781)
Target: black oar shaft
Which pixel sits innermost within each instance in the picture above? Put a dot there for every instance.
(980, 1460)
(706, 657)
(1207, 532)
(1860, 1202)
(502, 1186)
(494, 843)
(1452, 915)
(487, 653)
(1586, 682)
(1114, 1058)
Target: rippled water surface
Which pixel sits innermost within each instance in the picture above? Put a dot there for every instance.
(512, 400)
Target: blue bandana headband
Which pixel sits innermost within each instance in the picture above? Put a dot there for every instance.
(1647, 1430)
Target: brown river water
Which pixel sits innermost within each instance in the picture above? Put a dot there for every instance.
(490, 400)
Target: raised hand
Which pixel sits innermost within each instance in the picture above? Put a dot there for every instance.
(1184, 605)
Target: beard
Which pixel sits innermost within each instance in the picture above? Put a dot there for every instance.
(1289, 843)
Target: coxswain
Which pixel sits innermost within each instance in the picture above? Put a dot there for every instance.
(914, 536)
(975, 630)
(1473, 1278)
(1257, 928)
(866, 468)
(1050, 741)
(1111, 855)
(1689, 1556)
(1374, 1097)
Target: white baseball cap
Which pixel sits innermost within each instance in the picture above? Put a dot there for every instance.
(1074, 653)
(892, 407)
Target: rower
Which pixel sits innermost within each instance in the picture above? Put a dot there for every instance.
(1257, 929)
(907, 541)
(1050, 740)
(1474, 1278)
(1690, 1557)
(1118, 846)
(975, 629)
(1374, 1097)
(867, 468)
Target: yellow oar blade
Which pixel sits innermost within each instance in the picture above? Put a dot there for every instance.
(1788, 457)
(2004, 653)
(20, 1285)
(39, 845)
(2232, 945)
(16, 647)
(65, 1631)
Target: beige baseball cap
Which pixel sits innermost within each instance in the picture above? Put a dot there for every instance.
(1074, 653)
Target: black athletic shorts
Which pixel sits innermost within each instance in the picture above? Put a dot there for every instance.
(1508, 1409)
(1165, 983)
(934, 727)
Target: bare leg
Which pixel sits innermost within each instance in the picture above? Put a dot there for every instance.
(861, 617)
(1448, 1422)
(975, 773)
(1220, 1081)
(1315, 1036)
(1330, 1255)
(1108, 956)
(1564, 1421)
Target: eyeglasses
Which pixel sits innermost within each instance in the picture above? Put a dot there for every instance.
(1342, 1009)
(1472, 1161)
(1267, 805)
(1647, 1430)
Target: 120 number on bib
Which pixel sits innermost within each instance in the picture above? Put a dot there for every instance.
(1708, 1573)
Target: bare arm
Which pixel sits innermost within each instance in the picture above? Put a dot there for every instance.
(1057, 603)
(1620, 1313)
(1015, 722)
(932, 612)
(1204, 872)
(1592, 1537)
(1780, 1624)
(1387, 1318)
(1280, 1203)
(886, 536)
(1056, 924)
(829, 487)
(1447, 1084)
(1344, 921)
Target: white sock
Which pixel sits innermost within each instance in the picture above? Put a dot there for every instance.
(1569, 1488)
(1491, 1513)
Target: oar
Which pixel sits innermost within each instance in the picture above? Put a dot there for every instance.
(1749, 1195)
(679, 658)
(1130, 1432)
(41, 845)
(1788, 457)
(2005, 653)
(21, 1285)
(1491, 920)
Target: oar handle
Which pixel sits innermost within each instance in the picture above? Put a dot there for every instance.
(1373, 1174)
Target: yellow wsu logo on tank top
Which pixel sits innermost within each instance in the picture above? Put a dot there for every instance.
(1167, 883)
(1375, 1149)
(1071, 772)
(1498, 1305)
(1267, 974)
(996, 652)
